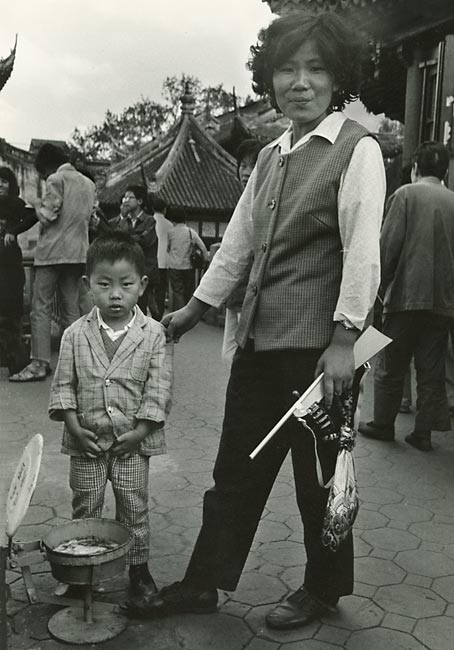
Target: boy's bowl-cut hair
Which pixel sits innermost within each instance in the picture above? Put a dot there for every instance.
(114, 247)
(342, 49)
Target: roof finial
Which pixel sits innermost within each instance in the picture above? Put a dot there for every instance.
(235, 103)
(187, 100)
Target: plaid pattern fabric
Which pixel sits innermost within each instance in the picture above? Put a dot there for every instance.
(110, 396)
(297, 271)
(129, 478)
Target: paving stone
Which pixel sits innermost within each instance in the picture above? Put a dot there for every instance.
(178, 498)
(235, 608)
(445, 587)
(385, 555)
(312, 644)
(398, 622)
(332, 635)
(398, 525)
(436, 633)
(419, 581)
(293, 577)
(37, 515)
(272, 531)
(283, 554)
(409, 600)
(361, 589)
(374, 571)
(383, 639)
(369, 519)
(425, 563)
(362, 548)
(261, 644)
(391, 539)
(258, 589)
(355, 613)
(217, 631)
(450, 611)
(283, 505)
(431, 532)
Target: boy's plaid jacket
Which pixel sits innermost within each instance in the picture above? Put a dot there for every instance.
(110, 396)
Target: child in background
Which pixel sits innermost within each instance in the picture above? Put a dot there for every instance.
(112, 389)
(246, 157)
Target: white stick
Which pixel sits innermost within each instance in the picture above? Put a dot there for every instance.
(367, 346)
(283, 419)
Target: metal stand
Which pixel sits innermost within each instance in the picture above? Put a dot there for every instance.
(91, 623)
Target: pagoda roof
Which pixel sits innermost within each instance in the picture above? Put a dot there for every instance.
(187, 168)
(6, 66)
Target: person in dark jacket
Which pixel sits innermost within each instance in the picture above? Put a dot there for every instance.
(142, 228)
(15, 218)
(417, 284)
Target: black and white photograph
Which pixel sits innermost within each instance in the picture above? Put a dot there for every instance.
(227, 325)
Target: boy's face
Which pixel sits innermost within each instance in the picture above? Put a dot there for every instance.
(116, 288)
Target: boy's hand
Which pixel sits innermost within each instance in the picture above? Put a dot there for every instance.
(87, 440)
(128, 443)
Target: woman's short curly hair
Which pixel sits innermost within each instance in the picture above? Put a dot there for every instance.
(342, 50)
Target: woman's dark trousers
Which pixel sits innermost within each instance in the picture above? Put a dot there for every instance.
(259, 393)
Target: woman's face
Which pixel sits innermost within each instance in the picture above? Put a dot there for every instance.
(4, 187)
(304, 88)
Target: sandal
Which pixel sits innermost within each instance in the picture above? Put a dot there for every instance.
(32, 372)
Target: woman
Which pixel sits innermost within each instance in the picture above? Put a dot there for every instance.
(14, 219)
(310, 216)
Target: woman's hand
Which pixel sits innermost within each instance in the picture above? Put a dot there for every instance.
(181, 321)
(338, 363)
(9, 239)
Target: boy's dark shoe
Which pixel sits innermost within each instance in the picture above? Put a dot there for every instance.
(141, 583)
(176, 598)
(419, 440)
(372, 430)
(301, 608)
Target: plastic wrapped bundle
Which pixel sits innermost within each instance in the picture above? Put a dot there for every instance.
(343, 501)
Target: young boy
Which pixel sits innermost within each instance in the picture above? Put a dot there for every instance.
(112, 390)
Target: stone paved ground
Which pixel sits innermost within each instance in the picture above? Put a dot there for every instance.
(404, 589)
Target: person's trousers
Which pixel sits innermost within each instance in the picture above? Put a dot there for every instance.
(423, 335)
(258, 394)
(161, 291)
(56, 279)
(148, 301)
(129, 478)
(182, 282)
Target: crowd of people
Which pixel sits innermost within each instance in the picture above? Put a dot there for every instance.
(299, 271)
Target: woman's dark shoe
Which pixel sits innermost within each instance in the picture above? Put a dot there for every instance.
(174, 599)
(301, 608)
(372, 430)
(421, 442)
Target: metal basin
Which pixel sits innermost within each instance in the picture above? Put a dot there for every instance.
(88, 569)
